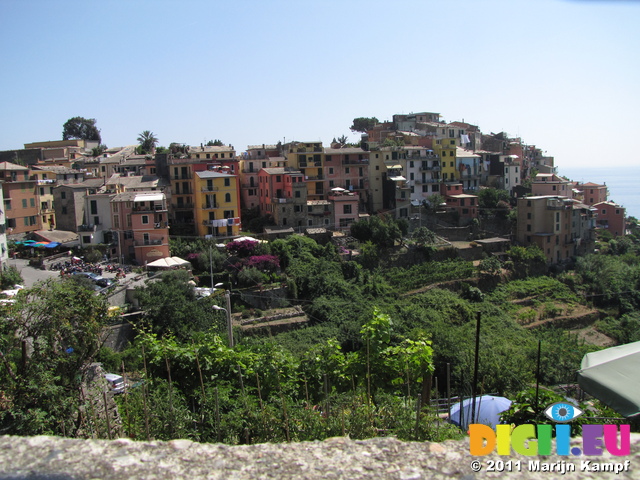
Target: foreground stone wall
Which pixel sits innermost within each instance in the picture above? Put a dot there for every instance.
(23, 458)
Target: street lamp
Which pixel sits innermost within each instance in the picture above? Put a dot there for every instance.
(228, 311)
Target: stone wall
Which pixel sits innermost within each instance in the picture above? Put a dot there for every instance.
(42, 457)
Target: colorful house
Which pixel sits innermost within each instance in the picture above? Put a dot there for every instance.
(611, 217)
(217, 198)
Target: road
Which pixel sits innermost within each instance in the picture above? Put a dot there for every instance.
(31, 275)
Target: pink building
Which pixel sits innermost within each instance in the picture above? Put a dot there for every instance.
(140, 222)
(611, 217)
(457, 201)
(345, 207)
(545, 184)
(592, 193)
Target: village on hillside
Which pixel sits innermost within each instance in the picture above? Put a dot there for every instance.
(78, 193)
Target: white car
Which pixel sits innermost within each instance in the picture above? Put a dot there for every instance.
(116, 382)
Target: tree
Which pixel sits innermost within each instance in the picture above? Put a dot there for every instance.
(215, 143)
(99, 150)
(52, 337)
(490, 197)
(170, 306)
(434, 201)
(423, 237)
(363, 124)
(148, 141)
(82, 129)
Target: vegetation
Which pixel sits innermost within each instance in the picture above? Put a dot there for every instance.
(363, 124)
(81, 128)
(379, 342)
(147, 141)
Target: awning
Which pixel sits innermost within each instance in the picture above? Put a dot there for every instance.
(393, 166)
(146, 197)
(611, 375)
(398, 179)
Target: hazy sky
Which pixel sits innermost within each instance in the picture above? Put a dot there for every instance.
(563, 75)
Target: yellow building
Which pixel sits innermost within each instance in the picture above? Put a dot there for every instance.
(308, 157)
(446, 150)
(217, 202)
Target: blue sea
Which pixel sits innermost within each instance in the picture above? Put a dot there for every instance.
(622, 182)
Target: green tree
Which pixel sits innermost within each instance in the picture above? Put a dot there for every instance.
(433, 202)
(170, 306)
(215, 143)
(526, 261)
(10, 277)
(148, 141)
(423, 237)
(81, 128)
(490, 197)
(363, 124)
(48, 338)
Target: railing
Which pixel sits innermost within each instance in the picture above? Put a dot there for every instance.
(209, 206)
(161, 225)
(315, 177)
(210, 189)
(184, 176)
(184, 191)
(45, 181)
(363, 161)
(87, 228)
(144, 243)
(153, 208)
(435, 168)
(281, 200)
(179, 206)
(248, 185)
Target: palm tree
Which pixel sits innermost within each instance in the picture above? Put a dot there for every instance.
(148, 141)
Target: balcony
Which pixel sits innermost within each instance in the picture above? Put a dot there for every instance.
(183, 191)
(355, 161)
(281, 200)
(184, 176)
(314, 177)
(45, 181)
(161, 225)
(209, 189)
(148, 208)
(247, 186)
(87, 228)
(433, 168)
(183, 206)
(210, 205)
(145, 243)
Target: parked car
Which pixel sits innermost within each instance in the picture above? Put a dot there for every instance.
(104, 282)
(116, 383)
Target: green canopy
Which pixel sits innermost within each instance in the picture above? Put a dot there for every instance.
(611, 375)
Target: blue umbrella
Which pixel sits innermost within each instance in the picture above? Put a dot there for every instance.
(488, 410)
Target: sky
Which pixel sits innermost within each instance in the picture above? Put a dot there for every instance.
(561, 74)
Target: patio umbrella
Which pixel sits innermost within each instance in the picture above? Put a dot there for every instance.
(611, 375)
(488, 410)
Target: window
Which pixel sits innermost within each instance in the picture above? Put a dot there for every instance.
(63, 195)
(528, 227)
(24, 203)
(146, 238)
(346, 209)
(26, 221)
(94, 207)
(297, 194)
(347, 170)
(227, 182)
(227, 197)
(145, 219)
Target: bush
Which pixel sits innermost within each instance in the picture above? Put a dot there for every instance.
(10, 277)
